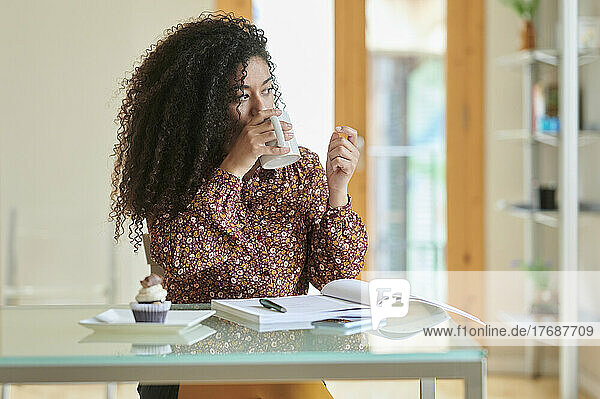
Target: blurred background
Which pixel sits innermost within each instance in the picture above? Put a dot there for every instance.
(458, 106)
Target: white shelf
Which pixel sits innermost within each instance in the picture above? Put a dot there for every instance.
(544, 217)
(585, 136)
(545, 56)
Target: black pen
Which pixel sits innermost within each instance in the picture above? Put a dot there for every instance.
(272, 305)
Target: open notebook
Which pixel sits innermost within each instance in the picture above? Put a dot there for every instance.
(340, 298)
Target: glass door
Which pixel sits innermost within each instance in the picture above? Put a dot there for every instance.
(406, 45)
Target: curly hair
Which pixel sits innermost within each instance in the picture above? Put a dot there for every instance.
(174, 122)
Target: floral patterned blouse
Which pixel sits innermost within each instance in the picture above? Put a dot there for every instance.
(269, 235)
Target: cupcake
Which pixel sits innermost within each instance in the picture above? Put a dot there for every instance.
(150, 305)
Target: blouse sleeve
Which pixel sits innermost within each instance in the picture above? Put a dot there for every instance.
(337, 237)
(211, 231)
(218, 202)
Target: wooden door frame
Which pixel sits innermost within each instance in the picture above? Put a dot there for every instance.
(241, 8)
(351, 87)
(350, 96)
(464, 119)
(465, 251)
(465, 135)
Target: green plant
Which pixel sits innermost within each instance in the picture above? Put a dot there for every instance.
(539, 272)
(525, 9)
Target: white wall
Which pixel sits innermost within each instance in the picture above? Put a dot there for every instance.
(503, 162)
(304, 59)
(62, 62)
(503, 159)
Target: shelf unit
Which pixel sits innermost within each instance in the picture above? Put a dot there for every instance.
(527, 60)
(568, 59)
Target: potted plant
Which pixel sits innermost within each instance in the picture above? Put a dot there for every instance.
(545, 299)
(526, 10)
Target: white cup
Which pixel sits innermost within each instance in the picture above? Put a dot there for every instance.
(279, 161)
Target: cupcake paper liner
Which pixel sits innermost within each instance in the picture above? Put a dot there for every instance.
(150, 312)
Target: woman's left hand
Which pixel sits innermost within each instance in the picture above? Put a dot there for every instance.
(342, 158)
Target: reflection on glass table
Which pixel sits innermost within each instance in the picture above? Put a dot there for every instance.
(46, 344)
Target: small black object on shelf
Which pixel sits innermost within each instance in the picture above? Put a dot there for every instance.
(547, 198)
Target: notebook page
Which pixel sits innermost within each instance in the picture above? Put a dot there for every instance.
(352, 290)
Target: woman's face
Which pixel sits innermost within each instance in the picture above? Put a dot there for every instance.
(257, 94)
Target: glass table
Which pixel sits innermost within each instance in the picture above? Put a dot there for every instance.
(46, 344)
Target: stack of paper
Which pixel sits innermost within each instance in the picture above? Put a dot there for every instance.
(300, 308)
(344, 298)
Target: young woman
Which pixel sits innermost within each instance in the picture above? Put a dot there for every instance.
(193, 125)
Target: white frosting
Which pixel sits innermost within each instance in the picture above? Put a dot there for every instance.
(151, 294)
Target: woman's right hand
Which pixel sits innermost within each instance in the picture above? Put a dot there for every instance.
(251, 143)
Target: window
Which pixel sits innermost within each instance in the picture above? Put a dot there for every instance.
(406, 122)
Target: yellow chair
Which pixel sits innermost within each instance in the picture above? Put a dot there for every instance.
(301, 390)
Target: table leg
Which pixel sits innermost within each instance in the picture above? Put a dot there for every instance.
(475, 381)
(427, 388)
(5, 391)
(111, 390)
(533, 358)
